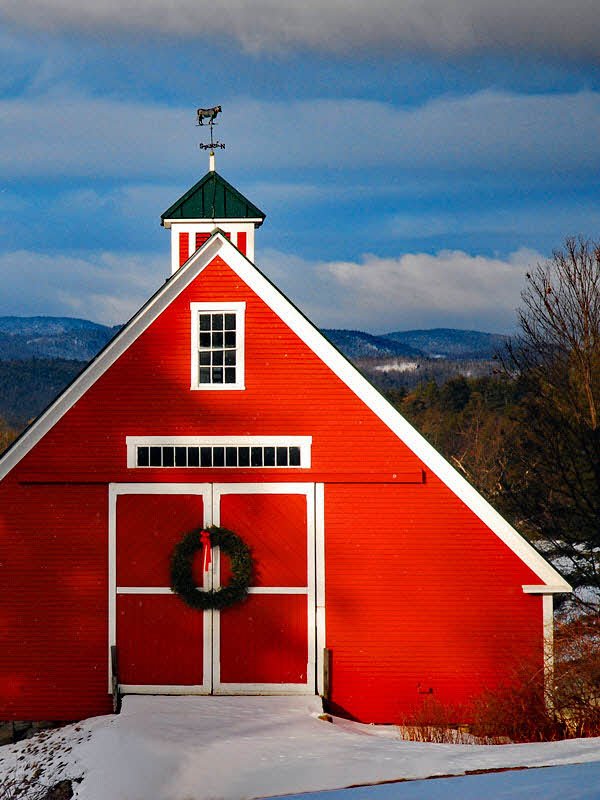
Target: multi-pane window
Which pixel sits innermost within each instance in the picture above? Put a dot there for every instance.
(217, 346)
(217, 342)
(245, 452)
(216, 456)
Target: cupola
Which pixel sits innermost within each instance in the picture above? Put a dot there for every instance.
(210, 204)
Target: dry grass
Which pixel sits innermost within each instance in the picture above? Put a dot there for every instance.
(522, 709)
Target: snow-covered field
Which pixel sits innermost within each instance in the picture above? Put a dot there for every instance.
(203, 748)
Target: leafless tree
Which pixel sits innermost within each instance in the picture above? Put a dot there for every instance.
(556, 356)
(560, 328)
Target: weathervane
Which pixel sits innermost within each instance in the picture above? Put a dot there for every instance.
(207, 116)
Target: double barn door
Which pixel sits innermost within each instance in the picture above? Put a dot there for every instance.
(266, 644)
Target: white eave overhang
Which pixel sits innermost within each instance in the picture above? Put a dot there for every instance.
(257, 221)
(550, 589)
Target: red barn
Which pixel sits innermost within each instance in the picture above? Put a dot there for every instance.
(379, 574)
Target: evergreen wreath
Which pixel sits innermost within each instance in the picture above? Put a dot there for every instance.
(182, 559)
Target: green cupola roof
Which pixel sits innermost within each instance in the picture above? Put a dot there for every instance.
(213, 198)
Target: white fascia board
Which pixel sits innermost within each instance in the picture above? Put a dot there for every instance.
(430, 457)
(218, 244)
(122, 341)
(212, 221)
(546, 588)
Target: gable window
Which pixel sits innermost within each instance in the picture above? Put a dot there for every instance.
(246, 452)
(217, 345)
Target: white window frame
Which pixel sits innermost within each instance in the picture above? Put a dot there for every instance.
(304, 443)
(239, 309)
(315, 589)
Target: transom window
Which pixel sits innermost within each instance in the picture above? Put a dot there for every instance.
(245, 452)
(217, 345)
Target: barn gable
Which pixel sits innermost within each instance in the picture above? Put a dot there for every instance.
(219, 251)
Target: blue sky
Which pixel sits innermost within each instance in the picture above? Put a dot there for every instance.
(413, 158)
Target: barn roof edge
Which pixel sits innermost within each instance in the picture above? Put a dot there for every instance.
(218, 244)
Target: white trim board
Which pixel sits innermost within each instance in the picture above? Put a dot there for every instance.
(211, 494)
(304, 443)
(320, 583)
(202, 490)
(308, 491)
(218, 245)
(239, 311)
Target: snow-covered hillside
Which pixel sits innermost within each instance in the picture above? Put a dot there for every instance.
(236, 748)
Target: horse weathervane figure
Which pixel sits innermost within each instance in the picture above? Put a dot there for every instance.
(207, 116)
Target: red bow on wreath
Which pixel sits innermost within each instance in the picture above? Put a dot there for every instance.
(206, 550)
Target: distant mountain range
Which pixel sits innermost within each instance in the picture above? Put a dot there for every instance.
(40, 355)
(23, 338)
(442, 343)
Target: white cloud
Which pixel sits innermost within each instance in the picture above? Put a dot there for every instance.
(66, 134)
(415, 290)
(104, 287)
(335, 25)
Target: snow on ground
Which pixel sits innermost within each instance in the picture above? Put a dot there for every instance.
(201, 748)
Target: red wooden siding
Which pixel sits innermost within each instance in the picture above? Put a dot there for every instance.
(54, 588)
(420, 596)
(148, 528)
(289, 391)
(159, 641)
(419, 593)
(264, 640)
(184, 248)
(274, 527)
(201, 238)
(272, 629)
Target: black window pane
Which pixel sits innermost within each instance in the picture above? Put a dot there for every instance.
(231, 456)
(217, 322)
(229, 339)
(218, 456)
(294, 456)
(204, 322)
(217, 357)
(206, 456)
(282, 456)
(230, 358)
(217, 375)
(244, 457)
(204, 374)
(229, 322)
(204, 357)
(256, 457)
(269, 456)
(205, 340)
(229, 374)
(155, 460)
(217, 339)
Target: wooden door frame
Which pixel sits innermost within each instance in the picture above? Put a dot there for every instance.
(203, 490)
(211, 494)
(306, 490)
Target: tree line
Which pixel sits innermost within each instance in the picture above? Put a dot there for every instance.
(528, 437)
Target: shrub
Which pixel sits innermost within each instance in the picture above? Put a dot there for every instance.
(523, 708)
